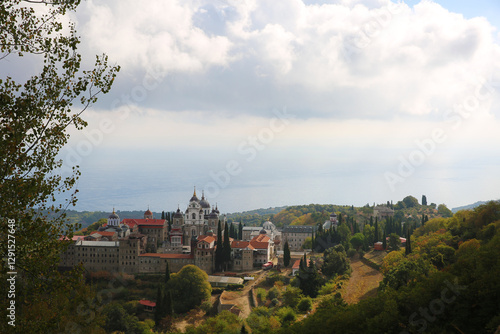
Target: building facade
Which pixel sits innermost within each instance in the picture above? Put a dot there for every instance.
(296, 236)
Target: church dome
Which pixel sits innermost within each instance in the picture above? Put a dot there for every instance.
(178, 213)
(148, 213)
(216, 209)
(213, 214)
(333, 214)
(113, 215)
(268, 226)
(194, 198)
(204, 203)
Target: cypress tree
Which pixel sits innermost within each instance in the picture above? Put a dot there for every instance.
(167, 273)
(240, 231)
(159, 306)
(376, 234)
(226, 247)
(384, 241)
(168, 305)
(163, 215)
(286, 255)
(219, 249)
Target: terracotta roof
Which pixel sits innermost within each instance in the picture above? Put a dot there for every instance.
(147, 303)
(260, 241)
(131, 222)
(241, 244)
(296, 265)
(169, 256)
(206, 238)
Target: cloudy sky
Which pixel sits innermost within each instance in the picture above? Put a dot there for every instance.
(270, 103)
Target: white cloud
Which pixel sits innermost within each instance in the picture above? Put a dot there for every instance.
(160, 33)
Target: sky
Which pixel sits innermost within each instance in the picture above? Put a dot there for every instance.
(268, 103)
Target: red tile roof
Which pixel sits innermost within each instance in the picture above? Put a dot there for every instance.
(147, 303)
(260, 241)
(296, 265)
(143, 222)
(241, 244)
(206, 238)
(169, 256)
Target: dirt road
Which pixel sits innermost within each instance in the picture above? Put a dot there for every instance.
(363, 282)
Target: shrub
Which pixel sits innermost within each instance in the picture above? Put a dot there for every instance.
(273, 278)
(261, 295)
(206, 306)
(234, 287)
(328, 288)
(292, 296)
(286, 315)
(273, 293)
(305, 304)
(351, 252)
(275, 302)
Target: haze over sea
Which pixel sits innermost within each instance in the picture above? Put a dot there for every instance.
(271, 103)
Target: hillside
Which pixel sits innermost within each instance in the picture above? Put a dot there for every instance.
(469, 206)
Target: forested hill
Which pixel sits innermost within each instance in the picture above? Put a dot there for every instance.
(255, 217)
(446, 282)
(406, 210)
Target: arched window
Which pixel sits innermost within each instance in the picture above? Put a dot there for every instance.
(194, 215)
(193, 232)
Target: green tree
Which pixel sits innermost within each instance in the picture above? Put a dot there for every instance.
(304, 305)
(286, 254)
(377, 232)
(226, 247)
(307, 243)
(286, 315)
(292, 295)
(167, 273)
(384, 241)
(358, 240)
(36, 115)
(117, 319)
(369, 233)
(189, 288)
(394, 242)
(219, 252)
(444, 211)
(240, 231)
(408, 242)
(424, 200)
(159, 314)
(335, 262)
(345, 235)
(410, 202)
